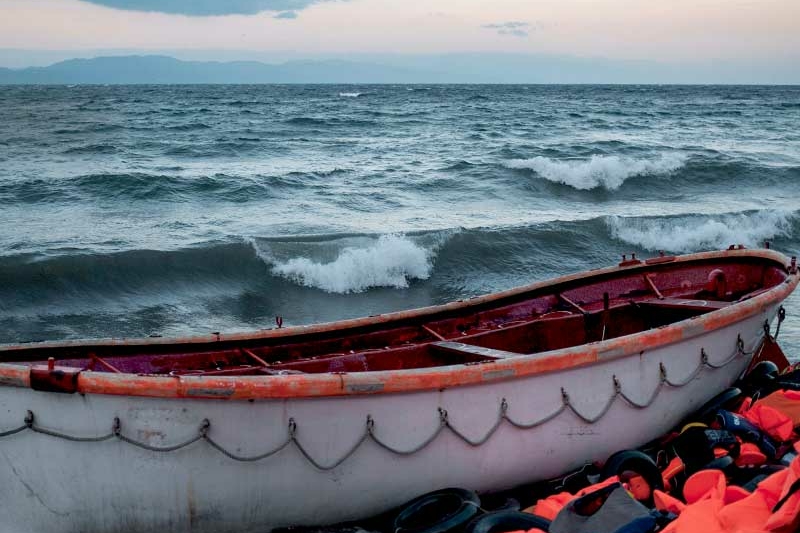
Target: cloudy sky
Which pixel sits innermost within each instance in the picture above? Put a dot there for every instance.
(661, 30)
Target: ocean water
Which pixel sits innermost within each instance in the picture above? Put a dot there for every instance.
(176, 210)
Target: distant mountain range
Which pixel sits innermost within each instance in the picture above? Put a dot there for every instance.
(162, 69)
(453, 68)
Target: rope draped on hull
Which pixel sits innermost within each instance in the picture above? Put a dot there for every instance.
(370, 425)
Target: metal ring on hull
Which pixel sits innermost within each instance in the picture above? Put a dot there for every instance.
(369, 430)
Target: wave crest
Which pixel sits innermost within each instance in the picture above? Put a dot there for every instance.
(693, 233)
(607, 171)
(390, 261)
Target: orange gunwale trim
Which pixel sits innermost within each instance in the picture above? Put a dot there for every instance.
(411, 380)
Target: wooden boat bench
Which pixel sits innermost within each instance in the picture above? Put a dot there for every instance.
(685, 303)
(470, 349)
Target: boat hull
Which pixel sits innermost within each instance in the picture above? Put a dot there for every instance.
(475, 435)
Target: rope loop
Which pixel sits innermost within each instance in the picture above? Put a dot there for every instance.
(29, 419)
(370, 424)
(703, 356)
(617, 385)
(292, 428)
(503, 407)
(204, 427)
(662, 372)
(443, 416)
(116, 426)
(740, 344)
(564, 396)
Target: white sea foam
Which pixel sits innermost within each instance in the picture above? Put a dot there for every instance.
(608, 171)
(689, 234)
(350, 95)
(389, 261)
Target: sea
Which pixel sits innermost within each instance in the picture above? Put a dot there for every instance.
(129, 211)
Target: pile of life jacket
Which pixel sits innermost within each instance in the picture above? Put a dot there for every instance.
(734, 467)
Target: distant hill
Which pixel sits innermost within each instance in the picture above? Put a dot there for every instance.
(447, 68)
(163, 70)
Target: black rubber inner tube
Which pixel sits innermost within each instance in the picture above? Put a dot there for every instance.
(503, 521)
(637, 462)
(441, 511)
(724, 400)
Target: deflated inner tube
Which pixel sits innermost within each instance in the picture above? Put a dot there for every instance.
(502, 521)
(441, 511)
(627, 462)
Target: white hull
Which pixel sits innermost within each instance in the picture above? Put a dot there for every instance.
(54, 485)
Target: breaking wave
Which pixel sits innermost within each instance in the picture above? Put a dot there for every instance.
(390, 261)
(694, 233)
(607, 171)
(350, 95)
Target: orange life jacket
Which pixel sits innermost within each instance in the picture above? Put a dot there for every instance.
(770, 420)
(713, 507)
(549, 507)
(787, 402)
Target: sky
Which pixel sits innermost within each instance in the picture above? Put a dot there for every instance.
(676, 31)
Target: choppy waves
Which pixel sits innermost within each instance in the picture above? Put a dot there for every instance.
(171, 186)
(358, 263)
(326, 277)
(138, 210)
